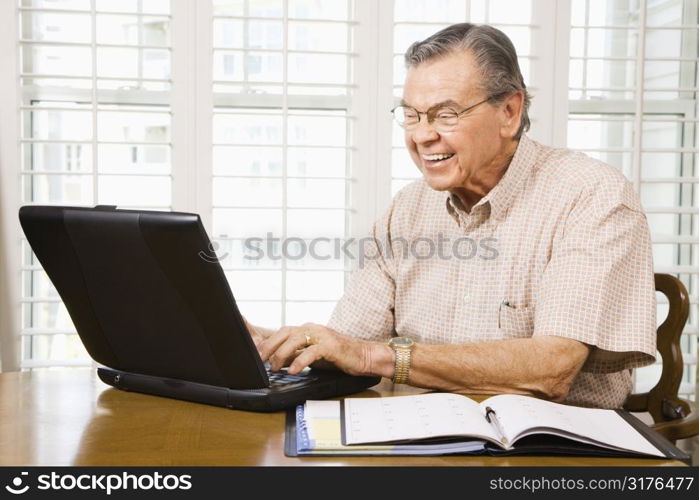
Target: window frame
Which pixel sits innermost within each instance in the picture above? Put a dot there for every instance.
(10, 185)
(193, 101)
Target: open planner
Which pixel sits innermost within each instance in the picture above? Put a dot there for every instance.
(444, 423)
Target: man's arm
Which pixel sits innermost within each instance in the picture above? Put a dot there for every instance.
(543, 366)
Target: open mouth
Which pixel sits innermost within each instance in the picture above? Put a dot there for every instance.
(435, 160)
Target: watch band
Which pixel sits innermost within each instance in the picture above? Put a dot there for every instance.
(401, 370)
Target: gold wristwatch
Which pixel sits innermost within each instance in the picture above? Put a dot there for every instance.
(402, 347)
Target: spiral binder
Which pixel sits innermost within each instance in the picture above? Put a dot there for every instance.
(303, 442)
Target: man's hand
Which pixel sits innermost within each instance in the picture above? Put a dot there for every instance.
(309, 343)
(257, 333)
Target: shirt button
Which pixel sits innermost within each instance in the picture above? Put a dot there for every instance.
(467, 297)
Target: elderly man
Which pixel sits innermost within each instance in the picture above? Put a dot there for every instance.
(565, 306)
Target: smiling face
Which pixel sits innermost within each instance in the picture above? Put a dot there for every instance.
(470, 159)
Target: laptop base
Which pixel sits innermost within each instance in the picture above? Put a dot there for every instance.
(326, 384)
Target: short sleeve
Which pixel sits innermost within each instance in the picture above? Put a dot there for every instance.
(366, 309)
(598, 287)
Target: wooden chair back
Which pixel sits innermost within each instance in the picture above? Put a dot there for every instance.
(674, 417)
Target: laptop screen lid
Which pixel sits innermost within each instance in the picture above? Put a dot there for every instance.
(141, 294)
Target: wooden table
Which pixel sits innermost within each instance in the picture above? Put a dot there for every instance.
(69, 417)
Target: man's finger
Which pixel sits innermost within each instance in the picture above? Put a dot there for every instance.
(306, 358)
(294, 342)
(271, 344)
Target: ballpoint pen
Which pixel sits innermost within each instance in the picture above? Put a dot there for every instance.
(507, 304)
(492, 418)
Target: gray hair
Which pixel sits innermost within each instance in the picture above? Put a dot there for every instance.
(495, 56)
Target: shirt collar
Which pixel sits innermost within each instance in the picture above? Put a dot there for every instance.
(501, 197)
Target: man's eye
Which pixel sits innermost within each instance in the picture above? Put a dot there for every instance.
(410, 115)
(445, 114)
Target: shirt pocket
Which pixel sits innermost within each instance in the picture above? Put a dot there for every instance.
(515, 322)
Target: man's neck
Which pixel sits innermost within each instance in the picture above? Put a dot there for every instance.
(476, 188)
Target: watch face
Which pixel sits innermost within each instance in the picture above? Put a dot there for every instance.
(402, 342)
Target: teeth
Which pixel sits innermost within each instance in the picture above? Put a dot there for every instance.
(437, 157)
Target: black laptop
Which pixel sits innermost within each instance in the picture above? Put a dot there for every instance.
(158, 314)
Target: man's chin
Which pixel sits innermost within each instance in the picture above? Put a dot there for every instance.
(437, 182)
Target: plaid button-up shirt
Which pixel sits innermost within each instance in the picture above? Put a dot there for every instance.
(560, 246)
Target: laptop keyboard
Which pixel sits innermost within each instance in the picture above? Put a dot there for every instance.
(277, 379)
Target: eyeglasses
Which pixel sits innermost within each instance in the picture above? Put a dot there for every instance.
(445, 118)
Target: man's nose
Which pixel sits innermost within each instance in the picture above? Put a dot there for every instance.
(424, 131)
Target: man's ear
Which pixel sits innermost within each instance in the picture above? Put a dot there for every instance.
(511, 109)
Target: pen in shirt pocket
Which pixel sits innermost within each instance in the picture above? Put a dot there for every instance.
(507, 304)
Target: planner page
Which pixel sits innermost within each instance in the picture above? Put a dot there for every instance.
(323, 423)
(400, 418)
(524, 415)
